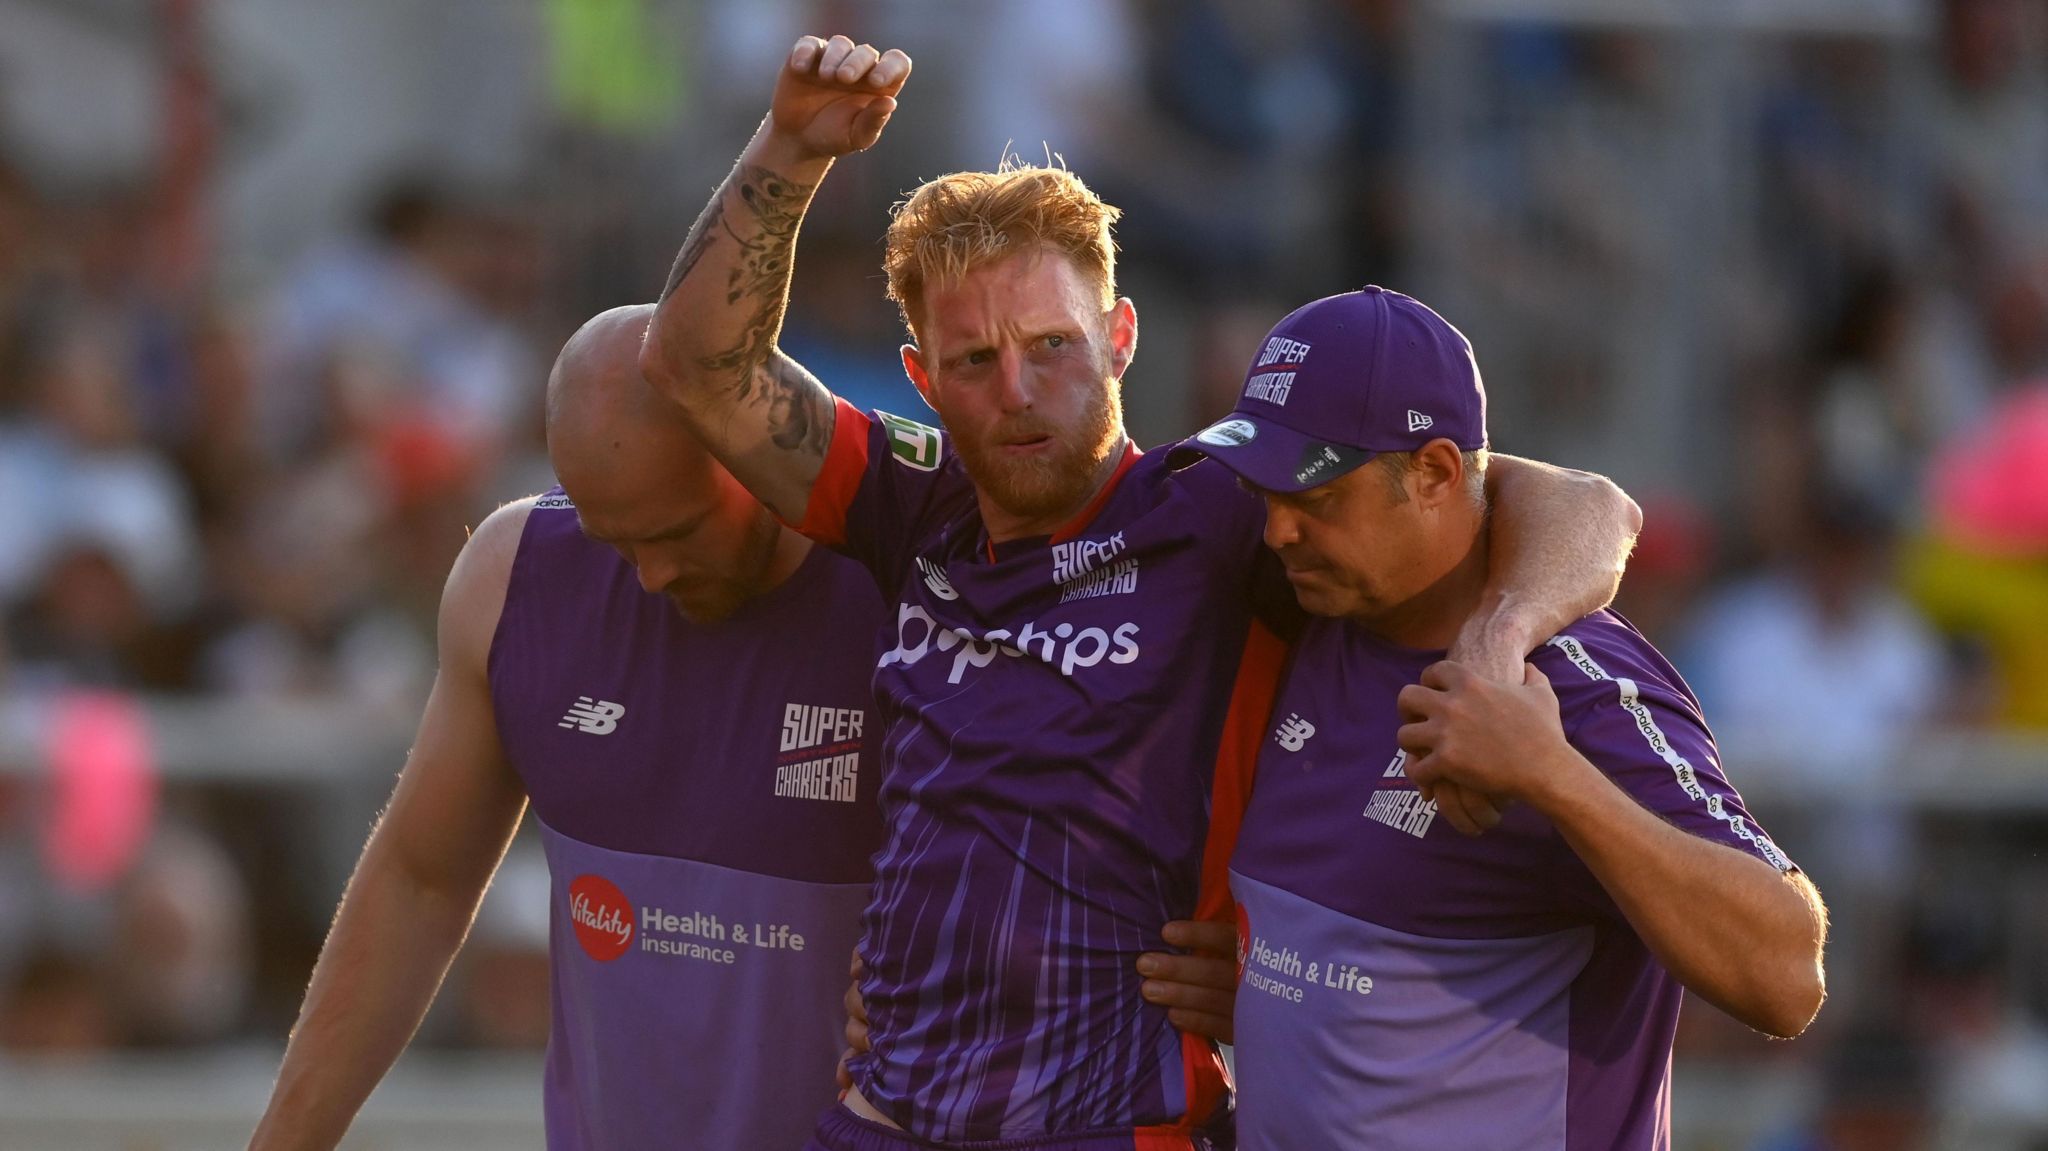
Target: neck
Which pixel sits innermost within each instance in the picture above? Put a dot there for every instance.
(791, 548)
(1430, 619)
(1004, 526)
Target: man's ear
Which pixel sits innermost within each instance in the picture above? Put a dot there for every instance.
(1436, 473)
(913, 366)
(1123, 335)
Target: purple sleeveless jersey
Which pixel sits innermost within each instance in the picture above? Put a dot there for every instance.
(1051, 712)
(706, 796)
(1406, 987)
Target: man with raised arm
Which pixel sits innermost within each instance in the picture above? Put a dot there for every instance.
(1073, 635)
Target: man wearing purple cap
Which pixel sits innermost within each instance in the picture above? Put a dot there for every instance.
(1404, 986)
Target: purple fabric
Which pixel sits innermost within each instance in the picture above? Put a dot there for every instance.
(840, 1130)
(1052, 718)
(1505, 981)
(706, 796)
(1343, 378)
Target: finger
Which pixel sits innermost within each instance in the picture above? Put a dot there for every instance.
(1534, 679)
(854, 68)
(836, 50)
(856, 1035)
(890, 71)
(803, 59)
(1204, 999)
(1485, 810)
(1444, 675)
(1416, 739)
(1217, 1027)
(840, 1074)
(1449, 799)
(1418, 702)
(1209, 935)
(1193, 970)
(856, 1007)
(867, 126)
(857, 969)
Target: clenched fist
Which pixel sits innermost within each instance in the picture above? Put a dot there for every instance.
(835, 96)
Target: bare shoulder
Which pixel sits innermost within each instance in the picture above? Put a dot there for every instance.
(475, 593)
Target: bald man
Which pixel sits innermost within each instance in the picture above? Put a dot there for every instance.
(679, 686)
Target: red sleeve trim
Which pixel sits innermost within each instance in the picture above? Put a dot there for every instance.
(846, 465)
(1237, 757)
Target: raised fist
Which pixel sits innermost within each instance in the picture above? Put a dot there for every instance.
(834, 96)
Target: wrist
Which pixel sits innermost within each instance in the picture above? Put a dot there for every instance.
(1501, 624)
(786, 154)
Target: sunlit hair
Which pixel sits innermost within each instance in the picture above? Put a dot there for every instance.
(959, 222)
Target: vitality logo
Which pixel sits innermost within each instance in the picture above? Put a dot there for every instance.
(602, 917)
(593, 716)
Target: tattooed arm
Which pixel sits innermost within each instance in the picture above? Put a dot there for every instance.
(711, 346)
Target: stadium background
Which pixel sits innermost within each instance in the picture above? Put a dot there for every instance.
(280, 280)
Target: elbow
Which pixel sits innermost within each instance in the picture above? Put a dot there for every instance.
(655, 365)
(1623, 507)
(1787, 996)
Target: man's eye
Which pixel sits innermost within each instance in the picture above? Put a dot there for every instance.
(1055, 341)
(976, 359)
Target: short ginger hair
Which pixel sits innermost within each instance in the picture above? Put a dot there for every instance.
(956, 223)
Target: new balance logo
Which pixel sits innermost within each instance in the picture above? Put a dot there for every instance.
(1417, 421)
(1293, 732)
(935, 578)
(593, 716)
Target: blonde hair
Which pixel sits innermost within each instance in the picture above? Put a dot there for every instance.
(959, 222)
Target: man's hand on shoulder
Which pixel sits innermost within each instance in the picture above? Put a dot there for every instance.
(1491, 738)
(834, 97)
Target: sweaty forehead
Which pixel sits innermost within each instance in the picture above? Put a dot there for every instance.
(1022, 295)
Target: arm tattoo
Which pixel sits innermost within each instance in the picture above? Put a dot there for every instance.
(695, 244)
(799, 407)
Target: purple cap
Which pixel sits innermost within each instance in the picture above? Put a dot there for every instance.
(1341, 380)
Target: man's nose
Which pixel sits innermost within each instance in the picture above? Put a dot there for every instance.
(1015, 390)
(655, 575)
(1283, 527)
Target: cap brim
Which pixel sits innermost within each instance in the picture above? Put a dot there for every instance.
(1268, 455)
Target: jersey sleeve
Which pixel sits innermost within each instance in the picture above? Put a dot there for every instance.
(1644, 730)
(883, 477)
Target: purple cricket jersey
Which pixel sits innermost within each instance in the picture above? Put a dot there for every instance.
(1052, 709)
(1404, 986)
(706, 796)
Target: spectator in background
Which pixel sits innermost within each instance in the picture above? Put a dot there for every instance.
(412, 298)
(1981, 571)
(1817, 667)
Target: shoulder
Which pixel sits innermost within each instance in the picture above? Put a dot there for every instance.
(474, 595)
(1603, 659)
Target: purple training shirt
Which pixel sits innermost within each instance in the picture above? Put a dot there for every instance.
(1406, 987)
(706, 797)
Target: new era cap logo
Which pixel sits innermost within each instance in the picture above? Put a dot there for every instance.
(1229, 434)
(1417, 421)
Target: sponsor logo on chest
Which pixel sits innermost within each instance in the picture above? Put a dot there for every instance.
(818, 756)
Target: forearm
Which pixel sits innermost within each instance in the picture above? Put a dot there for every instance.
(711, 346)
(1557, 543)
(1732, 928)
(384, 959)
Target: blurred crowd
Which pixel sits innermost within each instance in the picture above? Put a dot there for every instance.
(1822, 366)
